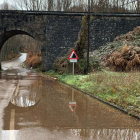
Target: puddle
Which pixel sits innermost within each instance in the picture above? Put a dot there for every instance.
(43, 108)
(23, 101)
(28, 93)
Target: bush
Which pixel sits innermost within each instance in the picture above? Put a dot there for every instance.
(120, 57)
(94, 62)
(125, 59)
(33, 59)
(12, 55)
(60, 65)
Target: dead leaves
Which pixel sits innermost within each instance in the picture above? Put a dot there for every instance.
(126, 59)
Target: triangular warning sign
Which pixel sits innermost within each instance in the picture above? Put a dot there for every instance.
(72, 107)
(73, 55)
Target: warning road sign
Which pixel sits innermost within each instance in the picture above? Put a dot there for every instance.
(73, 55)
(73, 58)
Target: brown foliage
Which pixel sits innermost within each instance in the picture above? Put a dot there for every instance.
(33, 59)
(12, 55)
(136, 31)
(127, 59)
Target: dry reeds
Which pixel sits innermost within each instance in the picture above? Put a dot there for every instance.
(126, 59)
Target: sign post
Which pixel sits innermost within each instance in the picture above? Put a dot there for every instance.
(73, 58)
(73, 68)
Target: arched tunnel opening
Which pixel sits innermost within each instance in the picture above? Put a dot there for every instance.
(15, 42)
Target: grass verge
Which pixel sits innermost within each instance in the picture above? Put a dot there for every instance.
(118, 88)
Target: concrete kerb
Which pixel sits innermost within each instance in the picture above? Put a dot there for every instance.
(96, 97)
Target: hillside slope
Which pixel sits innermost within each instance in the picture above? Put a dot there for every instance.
(123, 54)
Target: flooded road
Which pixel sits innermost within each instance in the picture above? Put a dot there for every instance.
(37, 108)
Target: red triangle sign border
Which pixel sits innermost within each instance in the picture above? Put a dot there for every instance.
(71, 54)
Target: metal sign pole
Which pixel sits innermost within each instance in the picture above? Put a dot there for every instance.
(73, 68)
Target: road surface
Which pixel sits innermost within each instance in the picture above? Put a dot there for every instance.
(37, 108)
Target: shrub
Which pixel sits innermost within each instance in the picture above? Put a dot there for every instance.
(94, 62)
(120, 57)
(126, 59)
(60, 65)
(33, 59)
(12, 55)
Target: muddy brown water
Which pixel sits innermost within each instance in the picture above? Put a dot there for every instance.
(44, 108)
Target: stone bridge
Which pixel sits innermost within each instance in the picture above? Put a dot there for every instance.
(58, 31)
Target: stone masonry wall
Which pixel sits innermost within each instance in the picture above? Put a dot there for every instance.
(103, 30)
(59, 33)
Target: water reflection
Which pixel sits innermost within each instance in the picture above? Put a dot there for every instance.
(72, 134)
(52, 119)
(27, 95)
(23, 101)
(72, 105)
(107, 134)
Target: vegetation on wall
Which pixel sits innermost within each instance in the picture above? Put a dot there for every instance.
(62, 64)
(125, 59)
(123, 54)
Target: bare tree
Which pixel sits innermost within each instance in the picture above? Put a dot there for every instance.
(6, 6)
(48, 5)
(58, 5)
(35, 5)
(77, 5)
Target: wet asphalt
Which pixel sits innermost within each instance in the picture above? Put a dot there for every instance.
(37, 108)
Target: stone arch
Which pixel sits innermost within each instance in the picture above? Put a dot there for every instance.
(5, 36)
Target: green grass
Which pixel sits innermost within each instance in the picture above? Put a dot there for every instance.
(119, 88)
(122, 89)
